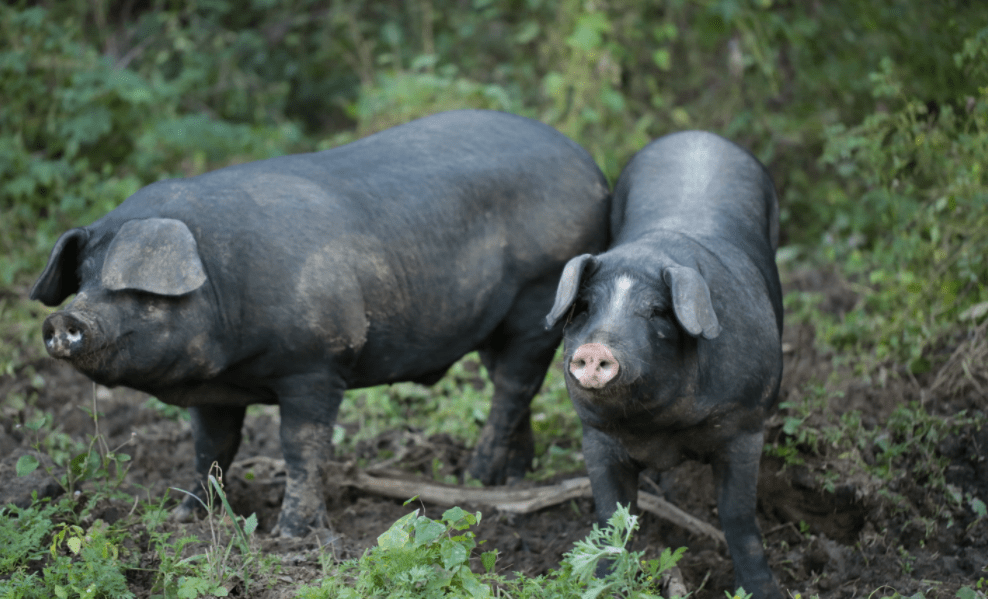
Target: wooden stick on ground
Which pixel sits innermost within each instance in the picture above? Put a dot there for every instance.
(520, 501)
(398, 484)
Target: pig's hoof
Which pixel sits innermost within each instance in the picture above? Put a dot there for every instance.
(187, 511)
(292, 524)
(498, 466)
(182, 513)
(763, 589)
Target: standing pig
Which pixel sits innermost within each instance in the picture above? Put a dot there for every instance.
(292, 279)
(672, 338)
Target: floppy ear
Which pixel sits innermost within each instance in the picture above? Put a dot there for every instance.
(157, 255)
(60, 279)
(569, 285)
(691, 301)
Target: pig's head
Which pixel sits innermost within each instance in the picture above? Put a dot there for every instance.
(132, 319)
(630, 326)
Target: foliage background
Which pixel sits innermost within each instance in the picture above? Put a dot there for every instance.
(871, 117)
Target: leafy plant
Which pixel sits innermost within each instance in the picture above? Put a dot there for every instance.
(24, 530)
(422, 557)
(915, 239)
(219, 568)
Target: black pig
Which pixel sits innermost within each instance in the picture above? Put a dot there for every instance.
(672, 339)
(292, 279)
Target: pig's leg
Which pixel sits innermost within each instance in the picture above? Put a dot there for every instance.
(517, 355)
(613, 478)
(309, 404)
(216, 432)
(736, 477)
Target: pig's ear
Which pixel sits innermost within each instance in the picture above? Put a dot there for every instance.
(691, 301)
(569, 285)
(156, 255)
(60, 279)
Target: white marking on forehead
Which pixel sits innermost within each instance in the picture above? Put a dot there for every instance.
(623, 285)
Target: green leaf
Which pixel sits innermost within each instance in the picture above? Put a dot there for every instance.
(250, 524)
(427, 531)
(453, 514)
(555, 84)
(589, 31)
(979, 507)
(26, 464)
(397, 536)
(791, 425)
(460, 519)
(968, 593)
(453, 554)
(469, 581)
(488, 559)
(527, 32)
(662, 59)
(77, 466)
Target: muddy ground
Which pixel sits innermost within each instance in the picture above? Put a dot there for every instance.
(852, 542)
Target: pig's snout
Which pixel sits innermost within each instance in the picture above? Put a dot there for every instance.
(65, 335)
(593, 365)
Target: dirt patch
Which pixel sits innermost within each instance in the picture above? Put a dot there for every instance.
(843, 541)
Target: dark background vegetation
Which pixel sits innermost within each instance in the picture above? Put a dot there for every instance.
(871, 116)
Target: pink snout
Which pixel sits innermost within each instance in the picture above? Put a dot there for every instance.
(593, 365)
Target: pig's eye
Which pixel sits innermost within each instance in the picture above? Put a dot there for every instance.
(659, 312)
(663, 322)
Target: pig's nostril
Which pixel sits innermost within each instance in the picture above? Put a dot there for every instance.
(605, 364)
(72, 331)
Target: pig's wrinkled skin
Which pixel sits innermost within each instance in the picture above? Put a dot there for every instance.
(672, 338)
(292, 279)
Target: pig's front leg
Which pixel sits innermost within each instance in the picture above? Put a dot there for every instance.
(613, 478)
(216, 433)
(736, 477)
(309, 404)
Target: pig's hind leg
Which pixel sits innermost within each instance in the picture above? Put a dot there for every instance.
(216, 433)
(308, 406)
(517, 355)
(736, 478)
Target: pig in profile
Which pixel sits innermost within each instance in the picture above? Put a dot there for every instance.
(292, 279)
(672, 336)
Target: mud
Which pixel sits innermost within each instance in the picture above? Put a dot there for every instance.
(842, 539)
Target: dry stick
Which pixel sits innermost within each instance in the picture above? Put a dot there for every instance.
(521, 501)
(397, 484)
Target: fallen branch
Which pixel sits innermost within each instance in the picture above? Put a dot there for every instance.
(670, 513)
(514, 501)
(397, 484)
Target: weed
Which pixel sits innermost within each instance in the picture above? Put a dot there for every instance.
(220, 570)
(175, 576)
(23, 530)
(421, 557)
(79, 562)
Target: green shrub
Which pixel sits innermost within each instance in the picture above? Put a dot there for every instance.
(913, 229)
(421, 557)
